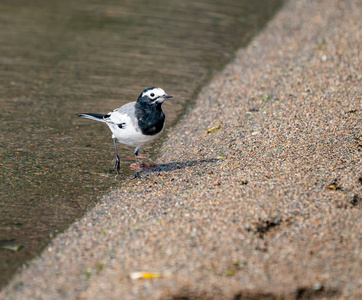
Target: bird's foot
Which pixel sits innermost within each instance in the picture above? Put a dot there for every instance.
(143, 165)
(116, 164)
(137, 175)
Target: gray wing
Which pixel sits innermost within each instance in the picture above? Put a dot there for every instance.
(122, 115)
(128, 109)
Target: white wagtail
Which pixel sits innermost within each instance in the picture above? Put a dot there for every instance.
(135, 123)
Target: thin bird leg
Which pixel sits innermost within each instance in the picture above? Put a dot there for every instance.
(137, 175)
(116, 160)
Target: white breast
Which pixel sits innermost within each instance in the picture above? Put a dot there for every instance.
(129, 134)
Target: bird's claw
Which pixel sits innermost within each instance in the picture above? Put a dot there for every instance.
(137, 175)
(117, 164)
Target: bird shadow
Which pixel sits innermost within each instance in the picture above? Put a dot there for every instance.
(180, 165)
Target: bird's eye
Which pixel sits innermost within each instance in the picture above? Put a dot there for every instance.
(152, 94)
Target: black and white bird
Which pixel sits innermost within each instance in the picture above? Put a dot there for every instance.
(135, 123)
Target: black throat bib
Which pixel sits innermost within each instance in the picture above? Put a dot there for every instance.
(150, 118)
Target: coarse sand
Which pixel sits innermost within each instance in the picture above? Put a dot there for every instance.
(267, 205)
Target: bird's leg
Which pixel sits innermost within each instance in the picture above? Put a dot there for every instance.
(116, 160)
(137, 175)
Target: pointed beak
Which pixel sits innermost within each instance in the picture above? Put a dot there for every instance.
(162, 98)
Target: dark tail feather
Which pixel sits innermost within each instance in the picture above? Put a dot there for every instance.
(95, 117)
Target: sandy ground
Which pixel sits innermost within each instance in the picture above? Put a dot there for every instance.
(268, 206)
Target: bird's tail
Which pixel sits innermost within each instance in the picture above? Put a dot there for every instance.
(96, 117)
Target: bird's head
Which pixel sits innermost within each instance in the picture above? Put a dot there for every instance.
(153, 95)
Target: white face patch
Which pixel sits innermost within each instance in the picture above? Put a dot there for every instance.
(154, 93)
